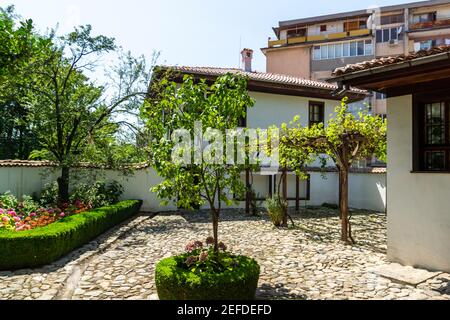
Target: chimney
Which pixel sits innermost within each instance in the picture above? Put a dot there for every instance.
(247, 56)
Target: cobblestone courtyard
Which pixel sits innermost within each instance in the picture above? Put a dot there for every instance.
(303, 262)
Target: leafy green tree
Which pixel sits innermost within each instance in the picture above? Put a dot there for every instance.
(73, 116)
(179, 106)
(20, 46)
(346, 138)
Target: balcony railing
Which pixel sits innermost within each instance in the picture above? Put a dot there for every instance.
(319, 37)
(429, 24)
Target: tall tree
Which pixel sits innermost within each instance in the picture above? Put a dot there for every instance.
(208, 180)
(72, 115)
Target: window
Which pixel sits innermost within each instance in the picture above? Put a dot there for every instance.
(360, 48)
(316, 113)
(396, 18)
(380, 96)
(394, 34)
(388, 34)
(324, 52)
(343, 49)
(368, 48)
(379, 37)
(424, 17)
(317, 53)
(346, 49)
(323, 28)
(338, 50)
(331, 51)
(425, 45)
(353, 49)
(432, 134)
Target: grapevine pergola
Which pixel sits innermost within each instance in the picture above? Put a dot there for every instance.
(345, 139)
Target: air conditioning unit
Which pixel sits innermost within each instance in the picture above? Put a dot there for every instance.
(393, 42)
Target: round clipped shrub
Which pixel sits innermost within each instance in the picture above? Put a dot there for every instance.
(176, 283)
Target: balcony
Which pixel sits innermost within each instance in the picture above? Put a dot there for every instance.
(429, 25)
(277, 43)
(296, 40)
(359, 33)
(319, 37)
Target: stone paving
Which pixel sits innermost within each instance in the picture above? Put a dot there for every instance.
(302, 262)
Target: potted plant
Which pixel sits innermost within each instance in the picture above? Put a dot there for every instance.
(276, 207)
(202, 274)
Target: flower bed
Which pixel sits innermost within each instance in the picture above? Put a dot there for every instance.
(202, 274)
(28, 215)
(43, 245)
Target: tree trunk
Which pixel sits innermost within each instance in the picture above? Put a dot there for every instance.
(216, 230)
(343, 203)
(63, 185)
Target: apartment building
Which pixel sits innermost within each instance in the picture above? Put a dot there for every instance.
(313, 47)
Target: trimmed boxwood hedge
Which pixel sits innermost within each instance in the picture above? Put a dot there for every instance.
(41, 246)
(174, 283)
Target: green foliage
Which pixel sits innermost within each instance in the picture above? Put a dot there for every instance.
(177, 283)
(276, 207)
(49, 194)
(98, 194)
(217, 106)
(8, 200)
(362, 136)
(40, 246)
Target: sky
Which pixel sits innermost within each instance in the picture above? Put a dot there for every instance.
(189, 33)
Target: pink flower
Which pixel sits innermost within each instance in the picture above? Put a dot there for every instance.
(33, 214)
(12, 213)
(222, 246)
(16, 219)
(62, 214)
(2, 211)
(5, 219)
(191, 260)
(203, 256)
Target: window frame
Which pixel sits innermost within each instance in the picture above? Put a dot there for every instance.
(321, 114)
(420, 146)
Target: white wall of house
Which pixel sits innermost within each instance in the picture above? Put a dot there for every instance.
(419, 203)
(274, 109)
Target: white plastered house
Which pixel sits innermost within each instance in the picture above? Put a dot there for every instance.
(418, 171)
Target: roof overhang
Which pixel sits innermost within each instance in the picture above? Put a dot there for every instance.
(402, 78)
(272, 87)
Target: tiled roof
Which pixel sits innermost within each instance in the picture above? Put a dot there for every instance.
(386, 61)
(259, 76)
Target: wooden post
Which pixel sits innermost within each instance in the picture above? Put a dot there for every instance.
(270, 187)
(284, 192)
(247, 193)
(297, 193)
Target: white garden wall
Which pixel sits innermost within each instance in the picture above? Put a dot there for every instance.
(367, 191)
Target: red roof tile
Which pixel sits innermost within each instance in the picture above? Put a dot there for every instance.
(260, 76)
(385, 61)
